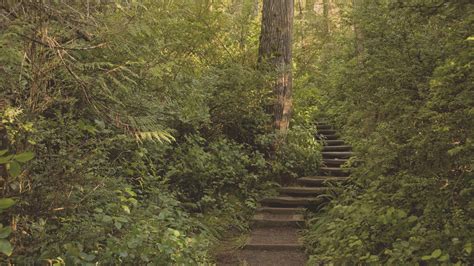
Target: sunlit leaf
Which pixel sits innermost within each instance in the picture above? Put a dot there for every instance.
(6, 203)
(24, 156)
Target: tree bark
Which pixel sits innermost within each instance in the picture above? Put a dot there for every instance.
(359, 36)
(3, 146)
(326, 12)
(276, 50)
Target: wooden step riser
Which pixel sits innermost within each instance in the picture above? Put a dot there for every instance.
(302, 194)
(291, 204)
(287, 205)
(335, 154)
(312, 183)
(323, 127)
(274, 247)
(327, 137)
(333, 142)
(326, 132)
(301, 190)
(276, 223)
(287, 211)
(329, 164)
(318, 184)
(320, 181)
(337, 148)
(335, 162)
(336, 173)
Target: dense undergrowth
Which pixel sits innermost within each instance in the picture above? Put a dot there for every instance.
(401, 91)
(133, 133)
(138, 132)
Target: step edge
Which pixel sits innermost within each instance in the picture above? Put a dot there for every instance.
(263, 246)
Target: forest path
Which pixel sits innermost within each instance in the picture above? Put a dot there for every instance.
(274, 239)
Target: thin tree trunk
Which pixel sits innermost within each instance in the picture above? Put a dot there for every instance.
(326, 12)
(359, 37)
(3, 146)
(276, 50)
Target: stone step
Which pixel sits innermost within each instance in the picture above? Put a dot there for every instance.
(336, 154)
(333, 142)
(326, 132)
(275, 210)
(337, 148)
(302, 191)
(265, 220)
(334, 162)
(335, 171)
(272, 247)
(327, 137)
(289, 201)
(320, 180)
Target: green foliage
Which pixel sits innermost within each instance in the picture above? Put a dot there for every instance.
(205, 174)
(404, 101)
(5, 231)
(140, 117)
(299, 155)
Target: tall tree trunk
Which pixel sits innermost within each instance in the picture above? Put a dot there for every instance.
(326, 12)
(276, 50)
(359, 37)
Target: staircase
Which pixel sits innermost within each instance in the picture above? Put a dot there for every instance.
(274, 236)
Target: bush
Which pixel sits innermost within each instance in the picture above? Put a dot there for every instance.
(206, 173)
(405, 104)
(298, 155)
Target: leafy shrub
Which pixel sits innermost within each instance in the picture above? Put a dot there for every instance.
(298, 155)
(205, 174)
(394, 227)
(404, 102)
(95, 102)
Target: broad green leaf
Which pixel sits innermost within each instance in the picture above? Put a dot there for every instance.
(436, 253)
(6, 203)
(130, 191)
(427, 257)
(5, 247)
(14, 169)
(118, 225)
(444, 258)
(3, 152)
(107, 219)
(5, 232)
(412, 218)
(5, 159)
(468, 248)
(24, 156)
